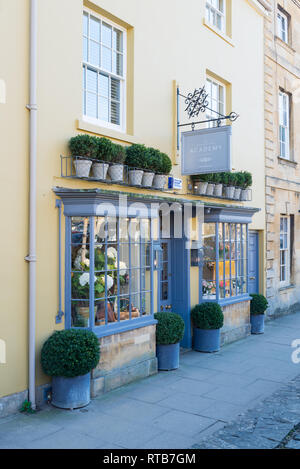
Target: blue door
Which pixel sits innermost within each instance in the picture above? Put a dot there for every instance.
(253, 262)
(165, 284)
(174, 283)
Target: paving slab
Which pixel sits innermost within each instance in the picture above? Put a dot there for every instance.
(245, 396)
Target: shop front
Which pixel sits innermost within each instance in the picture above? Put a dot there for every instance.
(127, 258)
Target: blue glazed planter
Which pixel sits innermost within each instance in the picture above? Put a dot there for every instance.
(168, 357)
(71, 393)
(257, 323)
(207, 341)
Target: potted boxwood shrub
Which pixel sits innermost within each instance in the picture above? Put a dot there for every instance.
(258, 306)
(247, 183)
(116, 169)
(149, 164)
(162, 167)
(200, 183)
(169, 334)
(104, 154)
(69, 356)
(84, 149)
(218, 185)
(208, 320)
(229, 180)
(238, 183)
(211, 184)
(136, 160)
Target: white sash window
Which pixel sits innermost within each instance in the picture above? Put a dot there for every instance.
(104, 71)
(215, 13)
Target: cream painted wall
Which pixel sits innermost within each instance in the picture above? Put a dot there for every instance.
(14, 17)
(170, 43)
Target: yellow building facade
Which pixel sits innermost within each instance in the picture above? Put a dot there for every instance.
(147, 52)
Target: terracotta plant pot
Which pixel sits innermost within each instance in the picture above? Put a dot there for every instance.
(100, 170)
(135, 177)
(116, 172)
(147, 179)
(159, 181)
(82, 167)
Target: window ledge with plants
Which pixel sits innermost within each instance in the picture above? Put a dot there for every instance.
(232, 186)
(101, 160)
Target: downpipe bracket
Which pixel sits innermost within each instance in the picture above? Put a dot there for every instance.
(31, 107)
(30, 259)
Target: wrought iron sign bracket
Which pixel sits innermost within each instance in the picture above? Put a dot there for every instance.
(197, 102)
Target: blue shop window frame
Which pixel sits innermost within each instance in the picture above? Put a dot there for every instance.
(112, 328)
(233, 299)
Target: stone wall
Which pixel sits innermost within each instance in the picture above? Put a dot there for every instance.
(236, 322)
(125, 357)
(282, 71)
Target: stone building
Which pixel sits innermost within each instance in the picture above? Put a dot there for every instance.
(282, 147)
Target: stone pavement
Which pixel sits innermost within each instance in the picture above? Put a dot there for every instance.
(273, 424)
(177, 409)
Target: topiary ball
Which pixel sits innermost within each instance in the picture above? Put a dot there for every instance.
(258, 305)
(70, 353)
(170, 328)
(208, 316)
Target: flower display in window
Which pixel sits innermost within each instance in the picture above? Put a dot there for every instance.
(112, 252)
(208, 287)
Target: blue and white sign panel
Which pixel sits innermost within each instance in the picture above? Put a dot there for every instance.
(206, 151)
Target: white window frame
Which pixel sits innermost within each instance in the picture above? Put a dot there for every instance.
(122, 79)
(283, 32)
(221, 104)
(285, 234)
(284, 108)
(211, 8)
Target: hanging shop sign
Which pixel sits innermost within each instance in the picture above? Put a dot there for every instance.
(206, 151)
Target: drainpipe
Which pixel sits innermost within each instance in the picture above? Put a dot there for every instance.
(31, 259)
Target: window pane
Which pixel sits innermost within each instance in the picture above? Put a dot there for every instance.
(80, 314)
(91, 105)
(95, 29)
(85, 24)
(85, 49)
(104, 86)
(117, 64)
(209, 241)
(106, 35)
(103, 109)
(106, 59)
(118, 40)
(115, 113)
(115, 89)
(91, 81)
(94, 57)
